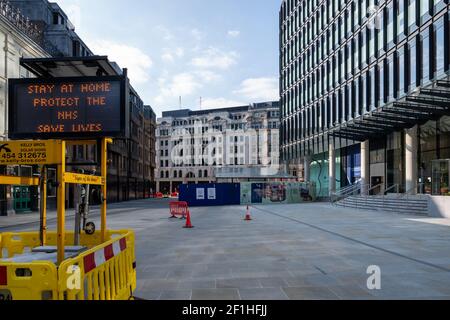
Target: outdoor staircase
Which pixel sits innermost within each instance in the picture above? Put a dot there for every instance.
(393, 203)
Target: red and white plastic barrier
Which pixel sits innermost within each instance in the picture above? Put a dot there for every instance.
(96, 259)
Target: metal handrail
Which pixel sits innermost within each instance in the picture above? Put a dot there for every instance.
(408, 193)
(346, 192)
(386, 192)
(395, 186)
(366, 195)
(346, 189)
(350, 186)
(373, 188)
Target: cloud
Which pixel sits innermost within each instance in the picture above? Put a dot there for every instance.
(182, 84)
(208, 76)
(133, 58)
(259, 89)
(234, 33)
(215, 103)
(197, 34)
(166, 34)
(169, 55)
(215, 58)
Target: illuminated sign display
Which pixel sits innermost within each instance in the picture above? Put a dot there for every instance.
(67, 108)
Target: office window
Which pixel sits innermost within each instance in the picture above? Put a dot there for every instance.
(381, 83)
(348, 17)
(412, 57)
(372, 89)
(356, 17)
(348, 102)
(439, 46)
(401, 72)
(380, 33)
(356, 53)
(412, 14)
(424, 9)
(371, 36)
(349, 59)
(363, 90)
(425, 56)
(400, 19)
(341, 29)
(335, 72)
(390, 24)
(342, 106)
(363, 38)
(390, 78)
(363, 13)
(356, 102)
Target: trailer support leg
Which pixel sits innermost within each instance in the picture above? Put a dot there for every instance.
(61, 205)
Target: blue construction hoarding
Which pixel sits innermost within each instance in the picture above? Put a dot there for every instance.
(198, 195)
(246, 193)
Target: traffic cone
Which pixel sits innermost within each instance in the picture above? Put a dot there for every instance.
(248, 217)
(188, 221)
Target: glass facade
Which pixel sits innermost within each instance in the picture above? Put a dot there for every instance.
(337, 64)
(434, 145)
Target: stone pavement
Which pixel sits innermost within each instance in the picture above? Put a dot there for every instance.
(307, 251)
(310, 251)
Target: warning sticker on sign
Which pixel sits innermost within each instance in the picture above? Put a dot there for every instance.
(30, 152)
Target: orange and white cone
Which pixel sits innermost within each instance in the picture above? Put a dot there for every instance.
(248, 216)
(188, 221)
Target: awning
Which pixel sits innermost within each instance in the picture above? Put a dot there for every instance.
(428, 104)
(71, 67)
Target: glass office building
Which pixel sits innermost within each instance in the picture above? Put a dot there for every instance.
(365, 92)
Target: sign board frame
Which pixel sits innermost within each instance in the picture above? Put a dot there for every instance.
(13, 115)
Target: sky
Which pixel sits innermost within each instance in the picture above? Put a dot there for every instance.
(220, 52)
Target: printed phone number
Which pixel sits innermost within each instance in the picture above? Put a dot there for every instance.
(24, 156)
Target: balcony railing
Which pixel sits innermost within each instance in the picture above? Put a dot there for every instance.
(23, 23)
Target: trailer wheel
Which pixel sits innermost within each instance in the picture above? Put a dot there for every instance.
(90, 228)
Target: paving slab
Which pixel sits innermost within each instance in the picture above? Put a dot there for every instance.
(304, 251)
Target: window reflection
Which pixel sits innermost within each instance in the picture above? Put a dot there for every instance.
(439, 46)
(425, 58)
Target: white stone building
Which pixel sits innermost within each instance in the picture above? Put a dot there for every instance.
(18, 38)
(197, 146)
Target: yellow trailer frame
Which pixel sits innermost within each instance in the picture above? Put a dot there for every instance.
(52, 278)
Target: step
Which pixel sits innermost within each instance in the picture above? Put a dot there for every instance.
(387, 202)
(390, 199)
(384, 206)
(407, 210)
(394, 210)
(394, 205)
(399, 209)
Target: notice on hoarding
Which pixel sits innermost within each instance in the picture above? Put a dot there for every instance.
(212, 194)
(200, 194)
(63, 108)
(30, 152)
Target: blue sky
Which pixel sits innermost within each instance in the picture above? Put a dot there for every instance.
(225, 51)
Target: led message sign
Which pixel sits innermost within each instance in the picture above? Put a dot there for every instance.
(67, 108)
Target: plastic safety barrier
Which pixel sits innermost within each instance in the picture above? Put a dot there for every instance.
(104, 271)
(179, 208)
(108, 272)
